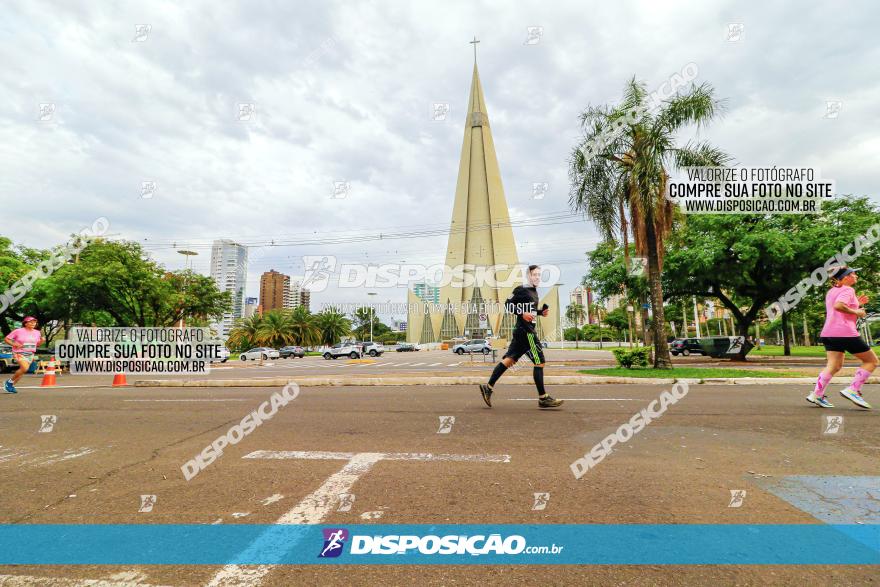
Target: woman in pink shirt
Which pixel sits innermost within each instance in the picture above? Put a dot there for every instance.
(24, 341)
(840, 336)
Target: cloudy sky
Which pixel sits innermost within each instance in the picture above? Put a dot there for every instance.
(343, 91)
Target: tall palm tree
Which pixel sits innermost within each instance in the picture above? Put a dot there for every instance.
(304, 327)
(575, 314)
(276, 329)
(333, 325)
(620, 183)
(245, 333)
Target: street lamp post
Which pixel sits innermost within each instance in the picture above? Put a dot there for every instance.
(372, 314)
(187, 254)
(629, 318)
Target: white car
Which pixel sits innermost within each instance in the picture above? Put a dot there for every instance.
(260, 352)
(222, 355)
(374, 349)
(343, 349)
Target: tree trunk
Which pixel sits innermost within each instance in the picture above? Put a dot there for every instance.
(662, 359)
(786, 335)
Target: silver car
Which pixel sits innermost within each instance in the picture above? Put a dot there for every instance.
(477, 345)
(260, 352)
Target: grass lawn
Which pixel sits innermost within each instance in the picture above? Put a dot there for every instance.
(771, 350)
(693, 372)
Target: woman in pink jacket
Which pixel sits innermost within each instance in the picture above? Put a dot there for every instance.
(24, 342)
(840, 335)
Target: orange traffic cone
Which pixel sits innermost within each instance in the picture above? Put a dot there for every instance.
(119, 380)
(49, 375)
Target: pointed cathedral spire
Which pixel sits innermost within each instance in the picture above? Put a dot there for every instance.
(480, 235)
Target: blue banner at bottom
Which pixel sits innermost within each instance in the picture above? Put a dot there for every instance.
(421, 544)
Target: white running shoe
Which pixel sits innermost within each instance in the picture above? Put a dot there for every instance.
(855, 397)
(822, 402)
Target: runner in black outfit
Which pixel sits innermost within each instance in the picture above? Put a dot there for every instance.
(524, 304)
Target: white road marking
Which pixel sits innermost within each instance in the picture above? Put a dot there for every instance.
(59, 387)
(22, 580)
(316, 506)
(434, 364)
(206, 399)
(576, 399)
(417, 364)
(389, 456)
(273, 499)
(12, 454)
(312, 510)
(240, 514)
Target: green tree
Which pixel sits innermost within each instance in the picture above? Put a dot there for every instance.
(332, 325)
(575, 314)
(117, 279)
(245, 333)
(304, 327)
(276, 329)
(749, 261)
(617, 320)
(619, 172)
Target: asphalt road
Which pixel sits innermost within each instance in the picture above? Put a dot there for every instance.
(108, 447)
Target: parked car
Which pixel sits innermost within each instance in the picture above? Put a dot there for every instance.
(713, 346)
(477, 345)
(407, 347)
(222, 355)
(261, 352)
(292, 351)
(685, 346)
(343, 349)
(7, 363)
(374, 349)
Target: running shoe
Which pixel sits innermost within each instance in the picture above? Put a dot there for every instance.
(545, 401)
(822, 402)
(855, 397)
(9, 387)
(486, 392)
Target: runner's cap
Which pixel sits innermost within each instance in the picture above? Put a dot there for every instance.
(27, 319)
(843, 272)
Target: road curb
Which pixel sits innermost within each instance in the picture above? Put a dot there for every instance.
(474, 380)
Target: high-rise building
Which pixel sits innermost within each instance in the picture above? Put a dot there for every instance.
(305, 298)
(229, 272)
(614, 302)
(480, 236)
(294, 298)
(250, 307)
(583, 296)
(274, 291)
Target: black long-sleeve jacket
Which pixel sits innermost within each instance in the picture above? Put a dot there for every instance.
(524, 299)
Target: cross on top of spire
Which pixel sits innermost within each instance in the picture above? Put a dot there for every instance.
(474, 43)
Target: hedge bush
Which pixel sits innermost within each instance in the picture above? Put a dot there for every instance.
(629, 358)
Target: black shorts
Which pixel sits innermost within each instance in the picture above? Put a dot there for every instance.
(845, 344)
(525, 343)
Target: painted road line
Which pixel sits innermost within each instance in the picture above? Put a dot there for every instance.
(22, 580)
(392, 456)
(207, 399)
(434, 364)
(316, 506)
(576, 399)
(311, 510)
(416, 364)
(60, 386)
